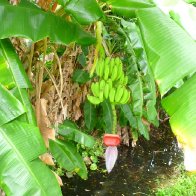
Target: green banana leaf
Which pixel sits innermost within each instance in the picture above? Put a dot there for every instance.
(21, 172)
(133, 73)
(14, 75)
(23, 97)
(144, 74)
(181, 106)
(171, 51)
(12, 70)
(72, 133)
(90, 115)
(85, 12)
(27, 20)
(127, 8)
(10, 107)
(67, 156)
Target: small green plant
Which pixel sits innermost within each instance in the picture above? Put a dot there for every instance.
(180, 184)
(91, 155)
(65, 149)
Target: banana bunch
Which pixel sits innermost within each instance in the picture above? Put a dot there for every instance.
(111, 69)
(112, 83)
(105, 90)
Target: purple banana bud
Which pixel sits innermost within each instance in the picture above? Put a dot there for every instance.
(111, 155)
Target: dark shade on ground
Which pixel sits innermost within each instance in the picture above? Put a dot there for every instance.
(136, 171)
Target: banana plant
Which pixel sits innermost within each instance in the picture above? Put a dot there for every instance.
(111, 88)
(171, 57)
(21, 171)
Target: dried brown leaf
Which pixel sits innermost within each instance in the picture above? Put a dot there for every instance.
(44, 4)
(47, 158)
(58, 179)
(43, 121)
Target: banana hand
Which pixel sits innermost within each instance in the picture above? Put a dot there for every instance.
(94, 100)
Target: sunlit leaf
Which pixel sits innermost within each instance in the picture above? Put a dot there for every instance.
(181, 106)
(171, 51)
(127, 8)
(23, 97)
(10, 107)
(13, 74)
(21, 172)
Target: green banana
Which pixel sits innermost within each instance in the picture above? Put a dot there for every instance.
(101, 96)
(120, 71)
(109, 81)
(95, 89)
(101, 69)
(107, 61)
(114, 73)
(98, 67)
(93, 100)
(125, 80)
(118, 61)
(106, 90)
(101, 85)
(106, 72)
(112, 64)
(125, 98)
(119, 93)
(112, 94)
(121, 80)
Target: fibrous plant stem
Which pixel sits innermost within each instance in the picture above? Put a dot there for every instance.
(114, 119)
(98, 46)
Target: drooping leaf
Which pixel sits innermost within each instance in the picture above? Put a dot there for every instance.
(67, 156)
(80, 76)
(10, 107)
(169, 48)
(133, 73)
(21, 172)
(25, 19)
(148, 84)
(72, 133)
(126, 109)
(85, 12)
(107, 116)
(181, 106)
(142, 129)
(127, 8)
(90, 115)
